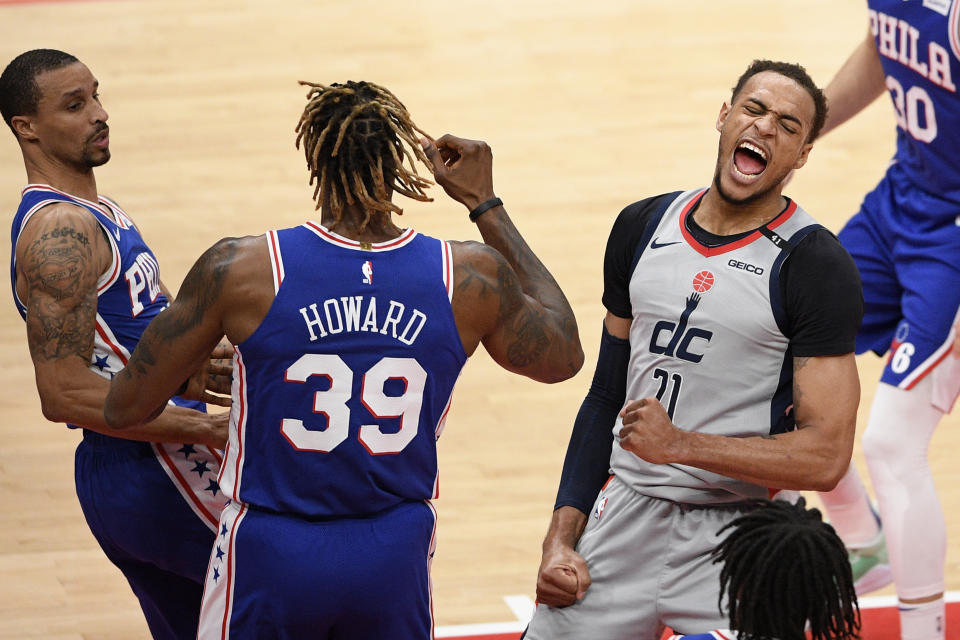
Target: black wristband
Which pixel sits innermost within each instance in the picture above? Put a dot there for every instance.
(483, 207)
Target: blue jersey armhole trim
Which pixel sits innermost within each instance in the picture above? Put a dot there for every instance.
(776, 299)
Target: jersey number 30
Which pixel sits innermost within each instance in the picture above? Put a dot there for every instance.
(333, 403)
(915, 112)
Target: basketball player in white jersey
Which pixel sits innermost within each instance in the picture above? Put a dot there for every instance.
(726, 373)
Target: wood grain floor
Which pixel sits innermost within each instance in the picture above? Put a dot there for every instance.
(587, 107)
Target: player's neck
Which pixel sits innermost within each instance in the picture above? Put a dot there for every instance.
(77, 182)
(379, 228)
(723, 217)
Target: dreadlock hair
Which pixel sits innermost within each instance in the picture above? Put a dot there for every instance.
(784, 568)
(353, 138)
(799, 75)
(19, 93)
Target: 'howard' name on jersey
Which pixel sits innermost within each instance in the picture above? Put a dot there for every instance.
(338, 315)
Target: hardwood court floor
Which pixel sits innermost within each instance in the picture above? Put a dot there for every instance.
(587, 107)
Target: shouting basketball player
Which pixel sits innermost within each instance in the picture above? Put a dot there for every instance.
(726, 372)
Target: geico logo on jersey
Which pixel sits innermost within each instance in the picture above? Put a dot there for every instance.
(744, 266)
(336, 315)
(144, 274)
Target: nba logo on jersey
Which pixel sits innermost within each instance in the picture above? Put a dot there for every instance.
(601, 505)
(367, 270)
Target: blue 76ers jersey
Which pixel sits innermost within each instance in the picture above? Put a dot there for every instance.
(919, 46)
(128, 298)
(341, 392)
(128, 293)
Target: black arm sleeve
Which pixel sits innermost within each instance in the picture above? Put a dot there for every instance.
(822, 296)
(587, 463)
(622, 246)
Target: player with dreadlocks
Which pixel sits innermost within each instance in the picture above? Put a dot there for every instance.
(353, 136)
(785, 573)
(349, 336)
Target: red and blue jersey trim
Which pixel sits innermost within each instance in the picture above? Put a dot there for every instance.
(706, 251)
(333, 238)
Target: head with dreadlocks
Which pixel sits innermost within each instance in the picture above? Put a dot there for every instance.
(356, 137)
(784, 568)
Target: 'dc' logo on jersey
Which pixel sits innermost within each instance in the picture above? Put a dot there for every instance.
(680, 343)
(703, 282)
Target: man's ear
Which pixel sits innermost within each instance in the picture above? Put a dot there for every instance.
(722, 117)
(24, 128)
(804, 154)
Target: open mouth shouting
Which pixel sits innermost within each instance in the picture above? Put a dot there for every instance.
(749, 161)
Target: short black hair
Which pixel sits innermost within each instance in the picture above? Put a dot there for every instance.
(783, 569)
(19, 93)
(799, 75)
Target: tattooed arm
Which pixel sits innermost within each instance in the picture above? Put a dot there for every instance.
(814, 456)
(212, 381)
(61, 254)
(504, 296)
(227, 292)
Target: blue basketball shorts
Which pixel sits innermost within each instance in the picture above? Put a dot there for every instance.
(906, 243)
(279, 577)
(153, 530)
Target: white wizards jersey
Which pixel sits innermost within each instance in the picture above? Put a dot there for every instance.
(707, 339)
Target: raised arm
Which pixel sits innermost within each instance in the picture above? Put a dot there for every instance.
(61, 254)
(505, 297)
(858, 83)
(814, 456)
(181, 339)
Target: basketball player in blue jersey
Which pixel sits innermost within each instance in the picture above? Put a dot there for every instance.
(87, 286)
(785, 576)
(726, 373)
(905, 240)
(350, 334)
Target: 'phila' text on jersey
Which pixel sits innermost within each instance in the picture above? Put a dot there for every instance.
(144, 273)
(363, 314)
(899, 40)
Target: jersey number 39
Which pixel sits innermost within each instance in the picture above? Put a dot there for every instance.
(333, 403)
